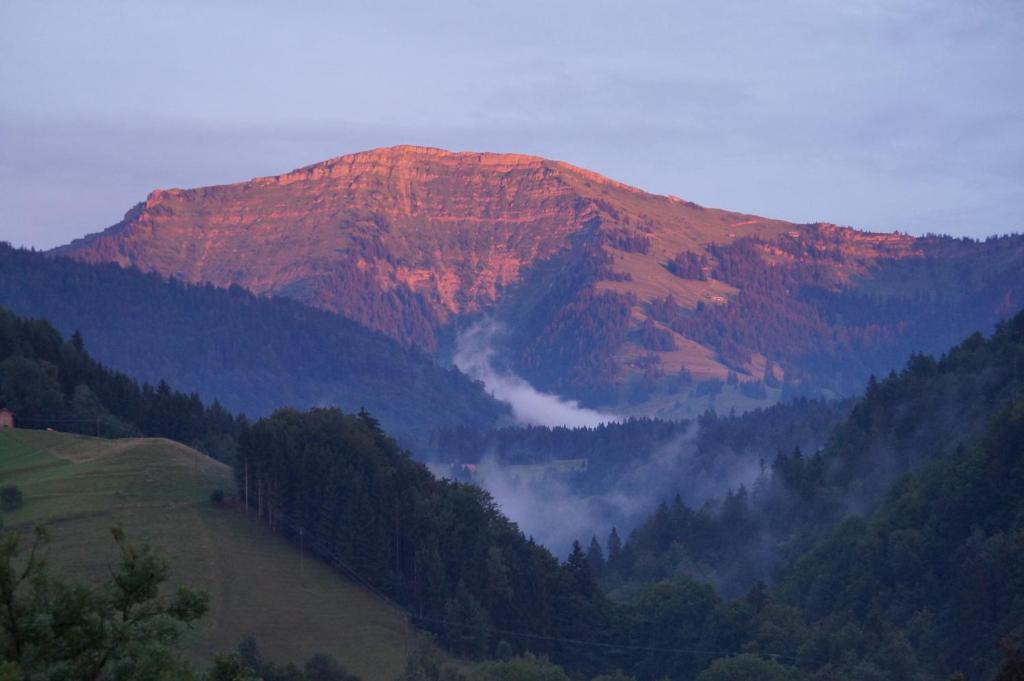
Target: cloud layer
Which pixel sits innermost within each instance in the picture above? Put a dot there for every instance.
(474, 355)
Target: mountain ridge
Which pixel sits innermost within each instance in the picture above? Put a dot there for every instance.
(251, 353)
(603, 284)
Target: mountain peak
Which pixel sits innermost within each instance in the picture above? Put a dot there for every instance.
(407, 239)
(423, 233)
(408, 157)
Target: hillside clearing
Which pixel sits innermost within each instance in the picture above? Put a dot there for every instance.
(159, 492)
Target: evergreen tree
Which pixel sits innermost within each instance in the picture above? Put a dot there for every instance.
(467, 626)
(578, 568)
(614, 551)
(595, 557)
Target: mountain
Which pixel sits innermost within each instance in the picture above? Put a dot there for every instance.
(599, 285)
(253, 354)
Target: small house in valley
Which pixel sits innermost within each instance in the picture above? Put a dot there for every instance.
(6, 418)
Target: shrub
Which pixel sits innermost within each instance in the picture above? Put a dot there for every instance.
(10, 498)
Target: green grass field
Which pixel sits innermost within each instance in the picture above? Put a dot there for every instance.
(159, 491)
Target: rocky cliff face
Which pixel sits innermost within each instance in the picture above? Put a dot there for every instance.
(601, 283)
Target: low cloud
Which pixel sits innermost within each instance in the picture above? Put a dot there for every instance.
(552, 512)
(474, 356)
(555, 511)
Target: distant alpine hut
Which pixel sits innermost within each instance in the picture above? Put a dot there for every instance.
(6, 418)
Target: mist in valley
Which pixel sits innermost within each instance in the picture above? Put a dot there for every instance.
(555, 512)
(474, 356)
(555, 508)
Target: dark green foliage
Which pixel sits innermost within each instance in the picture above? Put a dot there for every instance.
(1012, 667)
(614, 451)
(653, 337)
(525, 668)
(749, 668)
(467, 630)
(920, 586)
(577, 345)
(10, 498)
(123, 629)
(425, 664)
(251, 354)
(230, 668)
(610, 447)
(48, 382)
(470, 556)
(440, 548)
(595, 557)
(901, 424)
(562, 330)
(943, 559)
(322, 667)
(628, 240)
(319, 667)
(689, 265)
(461, 569)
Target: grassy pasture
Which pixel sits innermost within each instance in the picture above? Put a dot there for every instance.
(159, 491)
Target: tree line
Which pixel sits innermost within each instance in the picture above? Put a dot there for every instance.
(48, 382)
(251, 353)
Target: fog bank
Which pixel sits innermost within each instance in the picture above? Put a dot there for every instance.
(474, 356)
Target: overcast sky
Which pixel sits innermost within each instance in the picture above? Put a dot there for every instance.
(900, 114)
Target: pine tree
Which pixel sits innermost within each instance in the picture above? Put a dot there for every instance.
(579, 569)
(595, 557)
(614, 552)
(468, 628)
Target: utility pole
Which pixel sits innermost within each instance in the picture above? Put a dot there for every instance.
(398, 544)
(246, 487)
(302, 554)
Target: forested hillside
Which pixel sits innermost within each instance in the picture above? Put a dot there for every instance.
(252, 354)
(651, 456)
(442, 549)
(925, 413)
(459, 568)
(857, 569)
(870, 601)
(942, 562)
(48, 382)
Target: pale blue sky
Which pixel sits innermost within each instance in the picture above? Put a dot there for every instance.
(905, 114)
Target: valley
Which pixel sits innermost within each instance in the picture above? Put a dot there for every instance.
(469, 341)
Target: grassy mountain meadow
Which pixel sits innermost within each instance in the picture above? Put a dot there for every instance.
(159, 492)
